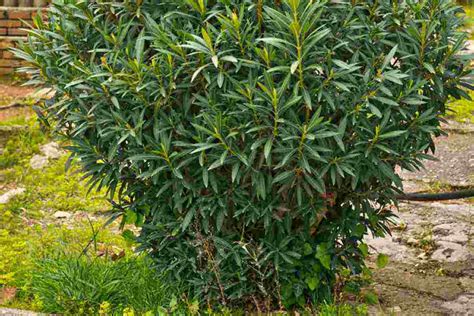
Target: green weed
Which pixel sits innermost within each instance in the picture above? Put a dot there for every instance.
(21, 146)
(20, 120)
(343, 310)
(462, 110)
(469, 21)
(52, 189)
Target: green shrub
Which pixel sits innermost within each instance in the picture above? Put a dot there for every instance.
(68, 285)
(255, 142)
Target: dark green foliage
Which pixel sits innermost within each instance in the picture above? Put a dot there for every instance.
(68, 285)
(255, 142)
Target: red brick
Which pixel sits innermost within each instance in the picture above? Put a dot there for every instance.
(10, 63)
(6, 43)
(24, 15)
(17, 32)
(6, 71)
(8, 55)
(10, 23)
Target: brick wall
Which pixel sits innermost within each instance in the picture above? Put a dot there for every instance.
(10, 33)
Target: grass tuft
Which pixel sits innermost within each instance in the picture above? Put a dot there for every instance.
(98, 286)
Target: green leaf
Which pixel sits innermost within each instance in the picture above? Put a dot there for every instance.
(139, 46)
(215, 61)
(364, 249)
(375, 110)
(392, 134)
(429, 67)
(307, 250)
(371, 298)
(382, 260)
(389, 57)
(268, 148)
(235, 171)
(294, 66)
(277, 42)
(187, 219)
(129, 236)
(130, 217)
(205, 177)
(323, 256)
(312, 283)
(115, 102)
(386, 101)
(198, 71)
(231, 59)
(220, 79)
(341, 64)
(283, 176)
(220, 220)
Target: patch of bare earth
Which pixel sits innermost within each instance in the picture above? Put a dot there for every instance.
(11, 97)
(431, 271)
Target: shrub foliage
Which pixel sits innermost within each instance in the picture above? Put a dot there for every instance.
(255, 142)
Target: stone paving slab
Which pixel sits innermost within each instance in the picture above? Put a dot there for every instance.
(431, 250)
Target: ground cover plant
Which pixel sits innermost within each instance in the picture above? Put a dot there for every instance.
(462, 110)
(28, 230)
(254, 142)
(469, 24)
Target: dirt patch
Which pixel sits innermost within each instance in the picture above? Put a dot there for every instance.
(15, 112)
(11, 92)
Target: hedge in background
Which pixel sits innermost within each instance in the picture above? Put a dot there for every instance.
(255, 142)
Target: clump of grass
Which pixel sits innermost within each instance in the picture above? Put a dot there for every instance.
(20, 120)
(343, 310)
(68, 285)
(22, 241)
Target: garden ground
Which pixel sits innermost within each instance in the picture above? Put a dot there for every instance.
(44, 210)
